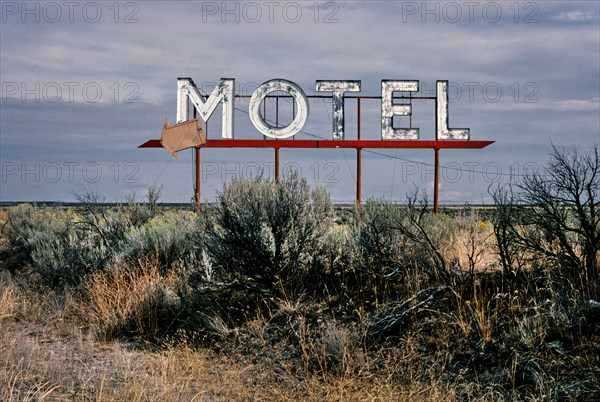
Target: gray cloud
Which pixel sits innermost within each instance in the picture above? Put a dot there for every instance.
(89, 89)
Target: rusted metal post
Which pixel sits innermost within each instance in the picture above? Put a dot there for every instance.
(293, 115)
(358, 160)
(276, 149)
(197, 194)
(281, 141)
(197, 171)
(276, 165)
(358, 176)
(436, 181)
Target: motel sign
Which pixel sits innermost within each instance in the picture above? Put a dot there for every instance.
(188, 133)
(223, 93)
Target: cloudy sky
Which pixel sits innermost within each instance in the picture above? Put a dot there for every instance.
(84, 83)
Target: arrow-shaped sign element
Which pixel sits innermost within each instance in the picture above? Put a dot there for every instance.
(187, 134)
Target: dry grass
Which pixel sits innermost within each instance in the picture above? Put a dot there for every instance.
(472, 244)
(9, 298)
(38, 366)
(119, 337)
(47, 354)
(131, 298)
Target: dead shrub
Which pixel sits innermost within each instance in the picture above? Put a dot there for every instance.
(131, 299)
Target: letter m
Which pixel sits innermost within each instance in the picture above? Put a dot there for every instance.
(223, 92)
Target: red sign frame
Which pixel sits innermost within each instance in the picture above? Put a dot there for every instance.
(357, 144)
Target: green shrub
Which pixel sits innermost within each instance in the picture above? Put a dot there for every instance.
(55, 248)
(399, 248)
(49, 248)
(268, 234)
(170, 238)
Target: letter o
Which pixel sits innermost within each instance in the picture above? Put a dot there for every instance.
(257, 12)
(97, 9)
(497, 89)
(98, 172)
(57, 175)
(47, 97)
(57, 12)
(457, 12)
(449, 167)
(86, 95)
(497, 9)
(496, 175)
(301, 108)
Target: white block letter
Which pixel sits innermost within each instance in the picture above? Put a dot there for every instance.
(223, 92)
(338, 88)
(441, 121)
(301, 110)
(389, 110)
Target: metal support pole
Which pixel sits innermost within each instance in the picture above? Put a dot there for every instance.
(276, 149)
(358, 176)
(436, 181)
(264, 114)
(197, 193)
(357, 144)
(197, 172)
(276, 165)
(358, 161)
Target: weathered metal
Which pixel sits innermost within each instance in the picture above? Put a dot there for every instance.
(389, 110)
(197, 173)
(436, 181)
(223, 93)
(441, 121)
(418, 144)
(184, 135)
(337, 89)
(391, 137)
(358, 158)
(259, 120)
